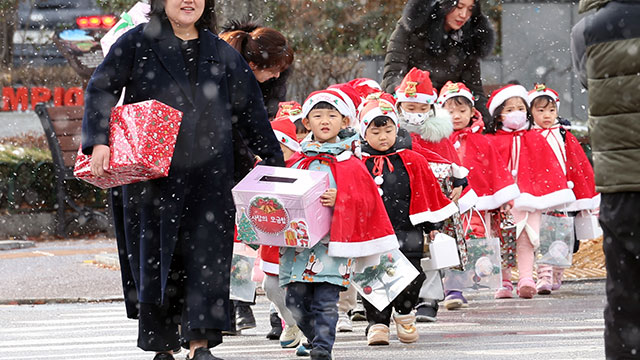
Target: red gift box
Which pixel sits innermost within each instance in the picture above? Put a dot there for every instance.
(142, 139)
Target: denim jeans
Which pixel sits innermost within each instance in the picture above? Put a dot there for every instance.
(315, 308)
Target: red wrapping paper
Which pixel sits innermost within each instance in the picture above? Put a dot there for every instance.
(142, 138)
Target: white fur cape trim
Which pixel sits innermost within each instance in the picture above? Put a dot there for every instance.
(584, 204)
(528, 202)
(269, 267)
(501, 197)
(467, 201)
(365, 248)
(434, 216)
(437, 127)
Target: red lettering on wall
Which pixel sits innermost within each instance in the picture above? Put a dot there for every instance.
(12, 99)
(74, 97)
(58, 96)
(39, 95)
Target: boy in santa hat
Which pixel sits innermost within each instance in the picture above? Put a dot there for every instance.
(488, 176)
(285, 132)
(542, 183)
(360, 227)
(414, 202)
(544, 103)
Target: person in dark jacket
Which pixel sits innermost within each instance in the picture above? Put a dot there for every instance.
(605, 56)
(175, 234)
(445, 37)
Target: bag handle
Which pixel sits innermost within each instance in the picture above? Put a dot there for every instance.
(468, 220)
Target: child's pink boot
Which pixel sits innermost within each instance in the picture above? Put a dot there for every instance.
(506, 291)
(557, 278)
(544, 286)
(526, 288)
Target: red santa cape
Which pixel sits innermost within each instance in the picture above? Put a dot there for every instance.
(576, 166)
(444, 147)
(488, 175)
(360, 226)
(269, 259)
(541, 182)
(428, 203)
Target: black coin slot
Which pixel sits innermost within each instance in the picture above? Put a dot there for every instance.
(279, 179)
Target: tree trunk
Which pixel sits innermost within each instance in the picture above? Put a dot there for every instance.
(8, 20)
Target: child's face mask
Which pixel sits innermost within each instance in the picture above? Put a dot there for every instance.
(414, 118)
(514, 120)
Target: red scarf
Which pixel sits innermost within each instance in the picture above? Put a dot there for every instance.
(428, 203)
(360, 226)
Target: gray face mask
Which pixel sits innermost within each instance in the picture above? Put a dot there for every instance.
(412, 122)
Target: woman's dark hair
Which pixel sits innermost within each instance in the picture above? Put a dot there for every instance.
(543, 101)
(447, 5)
(207, 20)
(263, 46)
(494, 124)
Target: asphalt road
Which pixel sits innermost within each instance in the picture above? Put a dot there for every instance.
(17, 123)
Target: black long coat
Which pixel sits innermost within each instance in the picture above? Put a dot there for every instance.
(419, 40)
(193, 204)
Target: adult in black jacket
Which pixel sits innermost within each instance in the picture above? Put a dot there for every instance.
(175, 234)
(445, 37)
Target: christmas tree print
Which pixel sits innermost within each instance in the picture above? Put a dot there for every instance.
(373, 273)
(246, 234)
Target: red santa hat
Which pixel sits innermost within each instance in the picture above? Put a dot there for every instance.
(543, 90)
(365, 86)
(498, 97)
(451, 90)
(416, 87)
(351, 98)
(290, 109)
(286, 133)
(374, 107)
(328, 96)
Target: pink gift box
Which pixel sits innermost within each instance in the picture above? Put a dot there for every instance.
(142, 138)
(281, 207)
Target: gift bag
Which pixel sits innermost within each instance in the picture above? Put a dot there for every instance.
(504, 228)
(242, 286)
(128, 20)
(484, 268)
(142, 137)
(556, 240)
(432, 287)
(382, 283)
(587, 226)
(443, 253)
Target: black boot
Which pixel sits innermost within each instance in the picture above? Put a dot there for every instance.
(232, 323)
(276, 326)
(245, 318)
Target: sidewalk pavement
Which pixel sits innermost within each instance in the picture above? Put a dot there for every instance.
(84, 270)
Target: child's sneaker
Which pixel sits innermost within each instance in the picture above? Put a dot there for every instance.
(406, 328)
(505, 292)
(427, 312)
(320, 354)
(291, 337)
(544, 286)
(378, 335)
(276, 327)
(557, 278)
(344, 323)
(526, 288)
(304, 349)
(455, 300)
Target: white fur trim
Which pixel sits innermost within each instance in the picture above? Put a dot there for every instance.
(501, 197)
(366, 118)
(419, 98)
(505, 94)
(348, 101)
(462, 93)
(269, 267)
(584, 204)
(528, 202)
(334, 100)
(290, 142)
(434, 216)
(437, 127)
(345, 155)
(535, 94)
(467, 201)
(365, 248)
(459, 172)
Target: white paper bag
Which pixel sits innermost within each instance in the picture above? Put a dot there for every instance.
(444, 253)
(587, 226)
(432, 287)
(128, 20)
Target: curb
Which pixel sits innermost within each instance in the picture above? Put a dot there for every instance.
(110, 260)
(114, 298)
(16, 244)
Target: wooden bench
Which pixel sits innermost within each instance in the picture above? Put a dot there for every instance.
(63, 128)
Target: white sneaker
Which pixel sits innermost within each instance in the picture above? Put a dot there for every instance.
(291, 336)
(344, 323)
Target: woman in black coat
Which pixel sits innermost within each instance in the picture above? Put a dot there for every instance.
(175, 234)
(445, 37)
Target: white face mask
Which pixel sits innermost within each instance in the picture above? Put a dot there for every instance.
(515, 120)
(414, 118)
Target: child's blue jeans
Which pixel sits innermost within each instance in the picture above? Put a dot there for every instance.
(315, 308)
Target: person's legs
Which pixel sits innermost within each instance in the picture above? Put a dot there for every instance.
(325, 317)
(618, 218)
(276, 295)
(346, 303)
(298, 297)
(545, 279)
(525, 250)
(157, 329)
(377, 331)
(506, 291)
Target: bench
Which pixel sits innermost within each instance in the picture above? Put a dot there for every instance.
(63, 129)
